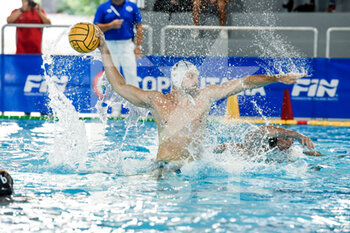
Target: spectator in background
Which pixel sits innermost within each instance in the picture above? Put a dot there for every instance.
(307, 7)
(117, 18)
(6, 185)
(331, 5)
(199, 5)
(289, 5)
(173, 6)
(29, 39)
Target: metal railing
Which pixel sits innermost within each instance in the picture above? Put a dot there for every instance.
(147, 27)
(328, 37)
(239, 28)
(27, 25)
(149, 37)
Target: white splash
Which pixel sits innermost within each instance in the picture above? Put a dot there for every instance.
(70, 147)
(273, 44)
(70, 144)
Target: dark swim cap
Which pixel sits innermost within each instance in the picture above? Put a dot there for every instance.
(6, 184)
(272, 142)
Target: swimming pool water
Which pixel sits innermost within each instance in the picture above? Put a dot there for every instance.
(95, 178)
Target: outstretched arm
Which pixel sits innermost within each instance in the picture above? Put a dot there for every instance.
(133, 94)
(313, 153)
(278, 132)
(216, 92)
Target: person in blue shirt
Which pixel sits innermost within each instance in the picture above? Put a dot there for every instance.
(117, 18)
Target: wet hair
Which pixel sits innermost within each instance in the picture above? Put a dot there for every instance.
(6, 184)
(272, 142)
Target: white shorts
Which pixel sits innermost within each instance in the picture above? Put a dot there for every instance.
(123, 56)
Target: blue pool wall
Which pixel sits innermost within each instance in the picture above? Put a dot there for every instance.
(324, 94)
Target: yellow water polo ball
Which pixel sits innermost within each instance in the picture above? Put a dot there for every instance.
(83, 37)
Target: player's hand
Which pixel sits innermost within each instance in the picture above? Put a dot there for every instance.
(117, 23)
(101, 36)
(306, 141)
(290, 78)
(38, 7)
(138, 53)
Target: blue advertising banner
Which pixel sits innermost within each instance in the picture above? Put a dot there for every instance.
(24, 85)
(324, 94)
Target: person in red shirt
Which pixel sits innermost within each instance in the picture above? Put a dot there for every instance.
(29, 39)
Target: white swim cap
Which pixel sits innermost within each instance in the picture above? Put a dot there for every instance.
(179, 70)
